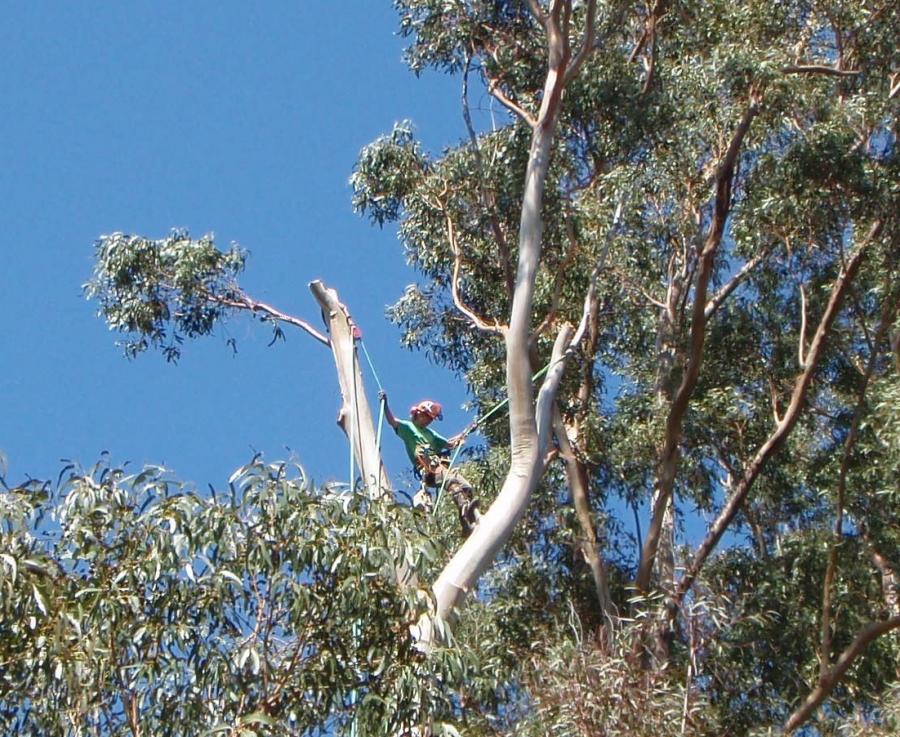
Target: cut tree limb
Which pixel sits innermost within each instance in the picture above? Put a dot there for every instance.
(355, 416)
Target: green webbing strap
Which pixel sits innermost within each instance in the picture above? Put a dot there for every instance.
(353, 420)
(474, 426)
(382, 402)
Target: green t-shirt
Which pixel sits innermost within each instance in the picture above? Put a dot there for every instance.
(415, 437)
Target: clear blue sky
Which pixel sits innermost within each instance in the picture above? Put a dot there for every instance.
(240, 118)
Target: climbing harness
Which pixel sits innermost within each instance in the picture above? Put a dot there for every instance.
(474, 425)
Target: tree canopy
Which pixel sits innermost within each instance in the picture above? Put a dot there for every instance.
(687, 214)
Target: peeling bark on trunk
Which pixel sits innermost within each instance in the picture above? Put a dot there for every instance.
(354, 416)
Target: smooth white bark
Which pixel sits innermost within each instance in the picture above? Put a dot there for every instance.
(354, 416)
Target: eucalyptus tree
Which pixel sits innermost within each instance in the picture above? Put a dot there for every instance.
(269, 607)
(683, 221)
(730, 170)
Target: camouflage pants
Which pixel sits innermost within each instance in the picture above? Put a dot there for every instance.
(437, 474)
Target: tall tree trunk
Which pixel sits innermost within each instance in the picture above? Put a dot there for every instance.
(354, 416)
(529, 425)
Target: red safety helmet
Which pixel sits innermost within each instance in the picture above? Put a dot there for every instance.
(427, 407)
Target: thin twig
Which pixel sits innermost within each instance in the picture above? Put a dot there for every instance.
(801, 343)
(476, 319)
(487, 197)
(819, 69)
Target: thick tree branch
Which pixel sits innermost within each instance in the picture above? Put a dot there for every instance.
(668, 456)
(788, 421)
(355, 416)
(886, 320)
(833, 676)
(527, 461)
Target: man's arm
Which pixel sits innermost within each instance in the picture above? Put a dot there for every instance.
(388, 415)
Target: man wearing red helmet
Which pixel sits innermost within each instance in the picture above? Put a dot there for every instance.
(424, 447)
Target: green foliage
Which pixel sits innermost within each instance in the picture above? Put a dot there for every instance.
(271, 607)
(277, 607)
(766, 656)
(158, 292)
(645, 128)
(387, 172)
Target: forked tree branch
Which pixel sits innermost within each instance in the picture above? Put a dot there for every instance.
(833, 676)
(528, 424)
(788, 421)
(668, 456)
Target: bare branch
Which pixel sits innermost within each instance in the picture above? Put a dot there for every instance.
(245, 302)
(829, 680)
(784, 428)
(801, 342)
(476, 320)
(719, 297)
(498, 94)
(819, 69)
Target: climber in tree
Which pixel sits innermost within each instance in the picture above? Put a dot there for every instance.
(427, 452)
